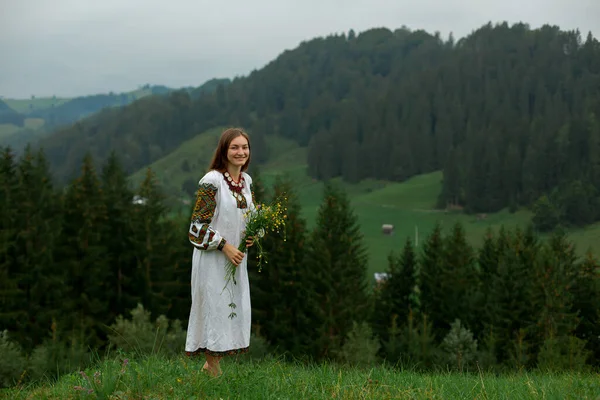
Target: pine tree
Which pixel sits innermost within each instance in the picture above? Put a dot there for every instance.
(586, 297)
(488, 260)
(431, 269)
(119, 236)
(153, 248)
(510, 309)
(398, 296)
(260, 291)
(287, 324)
(337, 262)
(555, 276)
(11, 295)
(459, 281)
(38, 213)
(86, 271)
(488, 256)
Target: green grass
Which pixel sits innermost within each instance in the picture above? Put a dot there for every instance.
(180, 378)
(197, 152)
(8, 129)
(30, 123)
(25, 106)
(409, 205)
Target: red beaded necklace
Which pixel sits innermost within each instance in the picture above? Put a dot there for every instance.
(236, 188)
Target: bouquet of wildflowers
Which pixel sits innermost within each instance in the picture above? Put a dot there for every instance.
(259, 221)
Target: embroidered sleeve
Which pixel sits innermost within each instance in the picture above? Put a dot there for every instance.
(201, 234)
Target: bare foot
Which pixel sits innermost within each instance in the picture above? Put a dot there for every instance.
(212, 371)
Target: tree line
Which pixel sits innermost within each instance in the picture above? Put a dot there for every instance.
(73, 259)
(510, 114)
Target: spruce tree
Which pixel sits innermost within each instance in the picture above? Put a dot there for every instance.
(11, 295)
(337, 262)
(260, 290)
(39, 274)
(119, 236)
(156, 273)
(586, 297)
(287, 325)
(510, 309)
(84, 257)
(398, 296)
(383, 298)
(459, 281)
(488, 259)
(555, 276)
(431, 269)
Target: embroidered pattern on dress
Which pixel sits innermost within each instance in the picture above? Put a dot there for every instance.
(236, 190)
(204, 209)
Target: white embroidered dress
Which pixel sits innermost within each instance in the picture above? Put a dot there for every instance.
(218, 217)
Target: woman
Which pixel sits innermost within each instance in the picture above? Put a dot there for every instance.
(216, 229)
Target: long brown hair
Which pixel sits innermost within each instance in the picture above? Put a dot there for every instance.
(219, 160)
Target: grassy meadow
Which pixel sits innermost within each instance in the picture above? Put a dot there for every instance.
(25, 106)
(409, 205)
(154, 377)
(30, 123)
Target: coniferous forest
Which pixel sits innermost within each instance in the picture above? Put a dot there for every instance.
(78, 261)
(512, 117)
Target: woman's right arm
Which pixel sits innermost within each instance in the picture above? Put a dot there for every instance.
(201, 234)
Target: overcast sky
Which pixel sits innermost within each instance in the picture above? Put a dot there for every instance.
(78, 47)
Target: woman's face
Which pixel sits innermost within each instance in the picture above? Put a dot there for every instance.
(238, 152)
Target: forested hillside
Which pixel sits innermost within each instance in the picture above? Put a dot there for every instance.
(73, 259)
(45, 115)
(508, 113)
(81, 107)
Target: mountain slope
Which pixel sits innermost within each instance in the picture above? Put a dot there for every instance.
(49, 113)
(508, 113)
(409, 206)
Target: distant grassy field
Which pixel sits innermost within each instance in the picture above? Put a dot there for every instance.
(30, 123)
(25, 106)
(170, 170)
(8, 129)
(409, 205)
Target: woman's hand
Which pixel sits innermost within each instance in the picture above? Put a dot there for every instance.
(249, 241)
(233, 254)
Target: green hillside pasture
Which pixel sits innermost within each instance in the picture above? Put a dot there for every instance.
(10, 129)
(171, 171)
(25, 106)
(409, 205)
(190, 161)
(155, 377)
